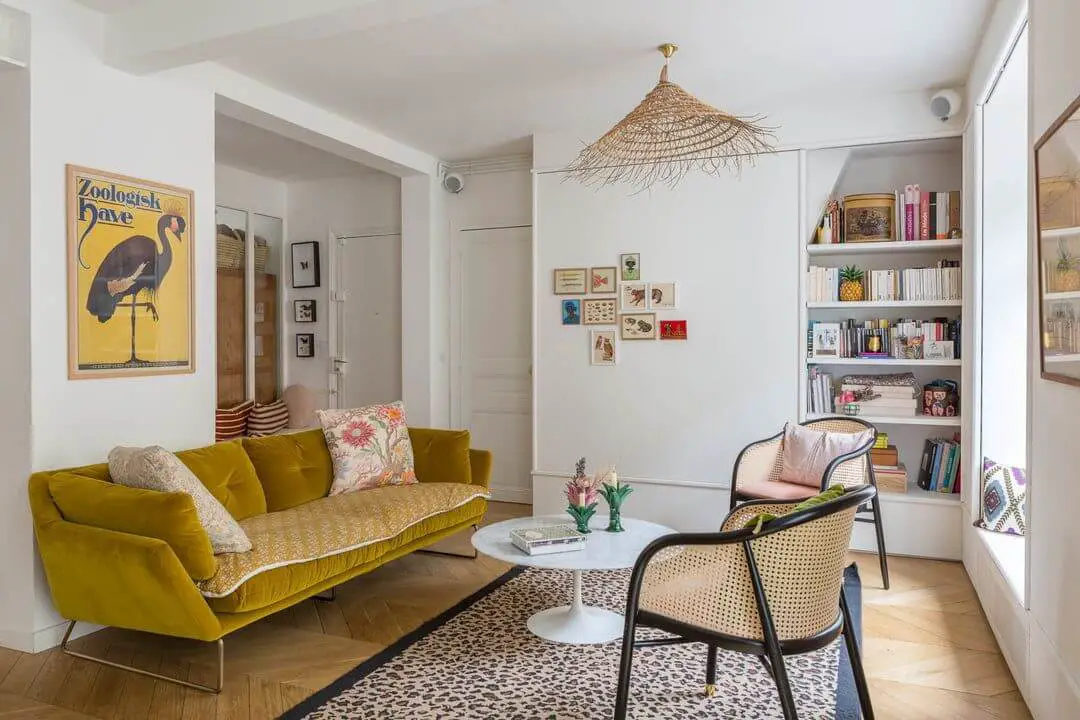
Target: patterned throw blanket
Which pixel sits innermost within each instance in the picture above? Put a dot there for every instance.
(333, 525)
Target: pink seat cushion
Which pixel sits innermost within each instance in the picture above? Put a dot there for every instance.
(776, 490)
(807, 452)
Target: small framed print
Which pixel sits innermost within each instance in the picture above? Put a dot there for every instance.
(672, 329)
(602, 280)
(305, 345)
(571, 281)
(638, 326)
(598, 311)
(938, 350)
(571, 312)
(662, 296)
(826, 339)
(630, 266)
(303, 311)
(602, 347)
(633, 296)
(305, 264)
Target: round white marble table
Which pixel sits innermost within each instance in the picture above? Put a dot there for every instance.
(576, 623)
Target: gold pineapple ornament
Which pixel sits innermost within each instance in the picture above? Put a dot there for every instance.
(1067, 270)
(851, 284)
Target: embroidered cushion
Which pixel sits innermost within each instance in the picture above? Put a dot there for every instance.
(1004, 498)
(232, 422)
(155, 468)
(268, 419)
(807, 452)
(369, 447)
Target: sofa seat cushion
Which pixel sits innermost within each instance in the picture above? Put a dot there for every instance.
(296, 548)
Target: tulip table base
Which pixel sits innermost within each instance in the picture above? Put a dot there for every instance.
(577, 623)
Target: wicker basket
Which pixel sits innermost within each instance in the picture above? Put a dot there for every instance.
(262, 254)
(230, 249)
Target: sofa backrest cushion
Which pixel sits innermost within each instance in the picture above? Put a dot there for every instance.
(166, 516)
(226, 471)
(293, 469)
(441, 456)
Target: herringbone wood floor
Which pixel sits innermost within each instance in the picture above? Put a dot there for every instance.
(928, 649)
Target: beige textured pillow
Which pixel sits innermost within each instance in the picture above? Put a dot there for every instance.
(155, 468)
(807, 452)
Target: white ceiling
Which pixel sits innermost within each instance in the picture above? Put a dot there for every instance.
(472, 78)
(109, 5)
(266, 153)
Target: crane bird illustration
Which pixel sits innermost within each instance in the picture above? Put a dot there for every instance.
(132, 266)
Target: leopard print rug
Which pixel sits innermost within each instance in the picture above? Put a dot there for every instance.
(478, 661)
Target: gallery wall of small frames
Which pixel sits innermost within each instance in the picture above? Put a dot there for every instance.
(617, 296)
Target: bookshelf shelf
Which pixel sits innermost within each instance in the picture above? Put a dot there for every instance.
(886, 304)
(884, 363)
(1061, 296)
(885, 247)
(1059, 233)
(928, 420)
(1071, 357)
(915, 494)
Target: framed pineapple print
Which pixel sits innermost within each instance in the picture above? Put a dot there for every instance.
(1057, 188)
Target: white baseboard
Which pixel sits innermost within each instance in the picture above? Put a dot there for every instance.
(43, 639)
(1053, 694)
(506, 493)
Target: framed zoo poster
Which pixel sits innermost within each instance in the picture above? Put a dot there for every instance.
(131, 276)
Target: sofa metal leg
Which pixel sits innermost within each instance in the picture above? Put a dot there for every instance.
(327, 598)
(469, 556)
(139, 671)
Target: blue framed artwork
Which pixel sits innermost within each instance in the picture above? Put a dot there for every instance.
(571, 312)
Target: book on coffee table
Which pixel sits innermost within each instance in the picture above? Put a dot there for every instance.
(547, 539)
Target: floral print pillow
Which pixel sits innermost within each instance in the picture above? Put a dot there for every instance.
(369, 446)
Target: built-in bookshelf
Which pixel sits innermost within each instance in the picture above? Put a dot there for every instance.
(917, 522)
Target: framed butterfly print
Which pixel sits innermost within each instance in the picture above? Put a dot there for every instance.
(305, 264)
(602, 280)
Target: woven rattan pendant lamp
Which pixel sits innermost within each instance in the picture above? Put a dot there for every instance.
(666, 136)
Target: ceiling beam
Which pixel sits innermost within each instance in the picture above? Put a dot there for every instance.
(158, 35)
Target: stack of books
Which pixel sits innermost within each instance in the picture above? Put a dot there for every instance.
(890, 473)
(547, 539)
(927, 215)
(893, 395)
(939, 470)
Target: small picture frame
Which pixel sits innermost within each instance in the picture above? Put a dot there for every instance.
(938, 350)
(662, 296)
(305, 345)
(599, 311)
(633, 296)
(630, 267)
(571, 312)
(603, 280)
(305, 264)
(603, 350)
(571, 281)
(637, 326)
(304, 311)
(826, 339)
(672, 329)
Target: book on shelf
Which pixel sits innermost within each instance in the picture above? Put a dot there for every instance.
(939, 469)
(820, 397)
(939, 282)
(892, 395)
(885, 339)
(891, 478)
(927, 215)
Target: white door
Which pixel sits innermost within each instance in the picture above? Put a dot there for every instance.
(492, 351)
(368, 320)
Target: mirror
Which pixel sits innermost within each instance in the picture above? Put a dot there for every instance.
(1057, 169)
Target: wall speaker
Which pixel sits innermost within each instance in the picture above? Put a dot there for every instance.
(945, 103)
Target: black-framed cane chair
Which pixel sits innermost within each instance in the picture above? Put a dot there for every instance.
(757, 471)
(770, 593)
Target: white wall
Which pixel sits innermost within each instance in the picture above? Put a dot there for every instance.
(366, 203)
(1054, 557)
(245, 190)
(671, 415)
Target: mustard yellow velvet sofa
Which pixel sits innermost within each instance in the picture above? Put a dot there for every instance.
(139, 559)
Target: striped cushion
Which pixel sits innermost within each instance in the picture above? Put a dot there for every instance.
(268, 419)
(232, 422)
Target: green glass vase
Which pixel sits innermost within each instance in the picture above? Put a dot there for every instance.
(615, 495)
(582, 514)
